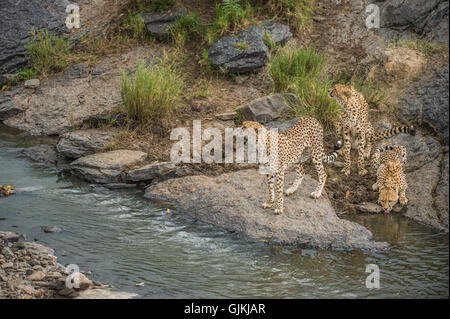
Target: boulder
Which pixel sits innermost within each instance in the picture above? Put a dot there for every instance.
(149, 172)
(104, 168)
(8, 236)
(233, 201)
(240, 53)
(265, 109)
(18, 19)
(426, 102)
(83, 142)
(246, 50)
(42, 153)
(159, 24)
(8, 108)
(425, 18)
(279, 33)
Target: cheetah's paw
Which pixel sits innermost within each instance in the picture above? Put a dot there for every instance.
(267, 205)
(316, 194)
(362, 172)
(403, 201)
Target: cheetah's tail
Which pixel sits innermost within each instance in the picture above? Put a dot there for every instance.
(393, 131)
(334, 155)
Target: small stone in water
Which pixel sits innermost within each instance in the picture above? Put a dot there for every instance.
(51, 229)
(139, 284)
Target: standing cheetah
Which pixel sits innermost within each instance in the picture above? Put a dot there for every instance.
(355, 121)
(391, 180)
(307, 132)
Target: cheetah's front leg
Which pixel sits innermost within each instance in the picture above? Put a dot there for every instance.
(280, 182)
(361, 154)
(346, 152)
(298, 180)
(403, 200)
(317, 161)
(271, 198)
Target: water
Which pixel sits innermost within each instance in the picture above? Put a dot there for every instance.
(126, 239)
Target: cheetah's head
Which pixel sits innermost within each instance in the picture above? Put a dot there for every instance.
(251, 124)
(340, 92)
(387, 198)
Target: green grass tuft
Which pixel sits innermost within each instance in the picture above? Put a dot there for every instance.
(151, 93)
(48, 53)
(231, 16)
(299, 71)
(187, 28)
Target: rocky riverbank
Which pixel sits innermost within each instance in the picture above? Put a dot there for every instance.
(87, 95)
(31, 271)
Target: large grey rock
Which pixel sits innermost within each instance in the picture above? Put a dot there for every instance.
(233, 201)
(104, 168)
(18, 19)
(279, 33)
(247, 51)
(425, 18)
(42, 153)
(427, 102)
(159, 24)
(8, 108)
(226, 53)
(8, 236)
(265, 109)
(83, 142)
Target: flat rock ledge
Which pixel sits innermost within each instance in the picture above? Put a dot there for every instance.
(104, 168)
(83, 142)
(233, 201)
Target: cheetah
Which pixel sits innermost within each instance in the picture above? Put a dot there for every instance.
(354, 121)
(391, 180)
(306, 133)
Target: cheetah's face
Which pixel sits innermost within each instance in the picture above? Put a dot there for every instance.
(340, 92)
(387, 198)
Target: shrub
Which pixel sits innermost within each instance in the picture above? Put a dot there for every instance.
(297, 13)
(134, 24)
(186, 28)
(152, 93)
(230, 17)
(48, 53)
(299, 71)
(291, 65)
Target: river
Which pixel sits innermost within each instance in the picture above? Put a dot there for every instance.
(124, 239)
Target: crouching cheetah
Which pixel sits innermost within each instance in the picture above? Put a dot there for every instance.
(307, 132)
(354, 121)
(391, 180)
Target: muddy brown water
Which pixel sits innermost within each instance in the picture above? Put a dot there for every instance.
(124, 239)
